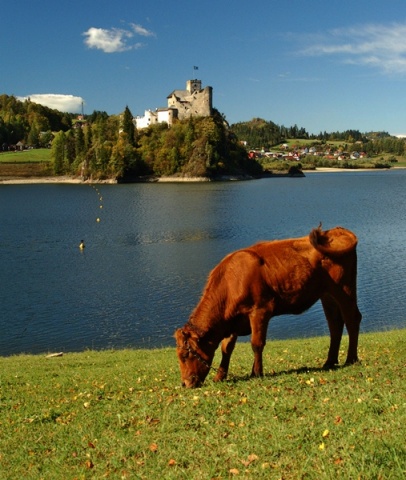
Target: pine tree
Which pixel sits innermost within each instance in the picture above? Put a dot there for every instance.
(129, 127)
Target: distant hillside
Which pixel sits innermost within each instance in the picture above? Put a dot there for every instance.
(28, 122)
(261, 135)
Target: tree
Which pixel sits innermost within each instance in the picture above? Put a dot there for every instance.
(80, 145)
(70, 154)
(33, 135)
(128, 126)
(58, 153)
(121, 156)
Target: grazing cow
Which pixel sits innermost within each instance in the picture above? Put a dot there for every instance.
(251, 285)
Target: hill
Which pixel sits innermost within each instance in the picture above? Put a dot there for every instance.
(102, 146)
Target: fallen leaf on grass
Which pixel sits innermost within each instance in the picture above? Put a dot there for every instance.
(172, 462)
(234, 471)
(251, 458)
(152, 421)
(153, 447)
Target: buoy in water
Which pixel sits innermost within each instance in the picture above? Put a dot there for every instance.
(97, 219)
(82, 245)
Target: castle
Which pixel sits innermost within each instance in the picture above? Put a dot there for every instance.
(192, 102)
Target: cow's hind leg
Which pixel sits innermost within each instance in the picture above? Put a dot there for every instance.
(351, 317)
(352, 323)
(227, 347)
(336, 327)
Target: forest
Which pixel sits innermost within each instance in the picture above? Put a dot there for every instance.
(104, 146)
(261, 134)
(109, 146)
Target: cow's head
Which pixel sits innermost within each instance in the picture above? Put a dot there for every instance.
(195, 357)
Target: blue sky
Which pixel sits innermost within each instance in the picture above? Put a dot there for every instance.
(323, 65)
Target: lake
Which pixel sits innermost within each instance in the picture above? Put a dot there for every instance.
(150, 247)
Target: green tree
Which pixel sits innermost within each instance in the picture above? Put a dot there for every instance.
(33, 135)
(70, 152)
(128, 126)
(123, 157)
(80, 145)
(58, 152)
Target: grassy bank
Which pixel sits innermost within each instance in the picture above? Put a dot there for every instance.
(34, 155)
(25, 164)
(122, 414)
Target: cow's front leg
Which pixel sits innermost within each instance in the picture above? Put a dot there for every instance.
(259, 325)
(227, 347)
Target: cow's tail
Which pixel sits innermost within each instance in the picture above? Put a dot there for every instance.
(333, 243)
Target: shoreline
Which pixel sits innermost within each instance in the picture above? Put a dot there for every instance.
(57, 353)
(60, 180)
(66, 179)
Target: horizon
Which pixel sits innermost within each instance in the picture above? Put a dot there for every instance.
(290, 63)
(78, 114)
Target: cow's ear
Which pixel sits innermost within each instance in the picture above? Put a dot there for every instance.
(182, 335)
(193, 337)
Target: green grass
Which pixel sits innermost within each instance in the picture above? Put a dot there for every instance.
(122, 414)
(27, 156)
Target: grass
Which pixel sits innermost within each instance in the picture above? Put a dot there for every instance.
(122, 414)
(28, 163)
(34, 155)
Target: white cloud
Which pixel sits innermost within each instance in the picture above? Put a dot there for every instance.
(63, 103)
(115, 40)
(379, 46)
(140, 30)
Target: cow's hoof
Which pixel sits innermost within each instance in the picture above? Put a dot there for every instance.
(330, 366)
(220, 376)
(350, 361)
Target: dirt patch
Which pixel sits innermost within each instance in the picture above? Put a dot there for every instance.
(18, 170)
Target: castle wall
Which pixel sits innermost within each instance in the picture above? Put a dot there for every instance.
(192, 102)
(149, 118)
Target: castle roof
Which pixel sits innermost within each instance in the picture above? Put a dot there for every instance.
(179, 93)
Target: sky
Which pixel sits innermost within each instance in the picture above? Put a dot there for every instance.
(321, 65)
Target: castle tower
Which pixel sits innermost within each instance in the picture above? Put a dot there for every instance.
(193, 86)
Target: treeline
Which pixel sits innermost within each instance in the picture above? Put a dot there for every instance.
(258, 133)
(110, 146)
(29, 122)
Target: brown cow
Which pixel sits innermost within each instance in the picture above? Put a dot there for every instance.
(251, 285)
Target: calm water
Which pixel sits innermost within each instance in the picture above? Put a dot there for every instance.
(147, 259)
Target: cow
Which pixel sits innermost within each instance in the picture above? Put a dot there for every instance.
(252, 285)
